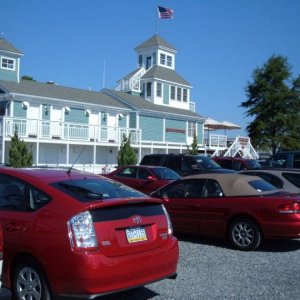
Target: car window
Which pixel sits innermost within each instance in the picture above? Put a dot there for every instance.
(174, 163)
(143, 173)
(296, 163)
(273, 179)
(279, 161)
(225, 163)
(183, 189)
(96, 189)
(129, 172)
(165, 173)
(205, 162)
(16, 195)
(262, 185)
(294, 178)
(212, 189)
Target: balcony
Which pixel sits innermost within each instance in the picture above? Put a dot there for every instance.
(51, 130)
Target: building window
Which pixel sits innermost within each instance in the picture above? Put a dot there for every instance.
(148, 89)
(7, 63)
(184, 95)
(169, 61)
(140, 60)
(158, 89)
(191, 129)
(162, 59)
(179, 94)
(173, 92)
(148, 62)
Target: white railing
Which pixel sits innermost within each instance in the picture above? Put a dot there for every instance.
(42, 129)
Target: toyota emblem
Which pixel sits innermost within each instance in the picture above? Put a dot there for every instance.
(137, 220)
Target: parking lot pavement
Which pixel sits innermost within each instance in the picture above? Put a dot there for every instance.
(212, 270)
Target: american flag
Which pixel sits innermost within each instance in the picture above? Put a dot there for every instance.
(165, 13)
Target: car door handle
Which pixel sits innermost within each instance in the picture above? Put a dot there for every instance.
(13, 227)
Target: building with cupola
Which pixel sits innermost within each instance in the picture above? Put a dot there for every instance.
(62, 125)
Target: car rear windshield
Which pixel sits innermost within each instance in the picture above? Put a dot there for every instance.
(262, 185)
(96, 189)
(165, 174)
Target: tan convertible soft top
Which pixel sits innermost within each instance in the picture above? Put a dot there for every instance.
(233, 184)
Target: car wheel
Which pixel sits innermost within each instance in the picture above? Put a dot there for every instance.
(29, 283)
(244, 234)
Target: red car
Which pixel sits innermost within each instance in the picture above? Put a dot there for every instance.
(243, 208)
(145, 179)
(76, 234)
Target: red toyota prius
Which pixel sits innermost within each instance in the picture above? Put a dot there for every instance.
(76, 234)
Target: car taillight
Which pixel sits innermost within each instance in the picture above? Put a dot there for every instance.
(290, 208)
(81, 232)
(170, 227)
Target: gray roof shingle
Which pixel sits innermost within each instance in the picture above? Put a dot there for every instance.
(155, 40)
(7, 47)
(162, 73)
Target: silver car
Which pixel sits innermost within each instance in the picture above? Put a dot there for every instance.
(287, 179)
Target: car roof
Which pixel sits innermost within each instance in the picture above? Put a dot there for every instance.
(274, 170)
(47, 175)
(233, 184)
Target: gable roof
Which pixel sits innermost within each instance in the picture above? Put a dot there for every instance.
(166, 74)
(154, 41)
(7, 47)
(146, 106)
(56, 92)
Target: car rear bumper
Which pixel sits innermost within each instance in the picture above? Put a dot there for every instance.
(284, 230)
(93, 274)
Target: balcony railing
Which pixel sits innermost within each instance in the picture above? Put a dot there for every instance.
(42, 129)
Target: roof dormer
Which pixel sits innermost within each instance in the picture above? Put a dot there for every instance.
(9, 61)
(156, 52)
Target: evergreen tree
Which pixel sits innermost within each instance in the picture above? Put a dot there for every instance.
(126, 154)
(194, 145)
(274, 104)
(19, 156)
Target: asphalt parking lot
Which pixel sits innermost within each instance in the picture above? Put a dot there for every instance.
(212, 270)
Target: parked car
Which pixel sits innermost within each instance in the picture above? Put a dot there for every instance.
(184, 164)
(80, 235)
(284, 159)
(146, 179)
(5, 294)
(245, 209)
(287, 179)
(237, 163)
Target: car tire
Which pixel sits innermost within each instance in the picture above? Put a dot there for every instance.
(244, 234)
(29, 282)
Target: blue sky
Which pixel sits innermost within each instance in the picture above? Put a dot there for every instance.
(219, 43)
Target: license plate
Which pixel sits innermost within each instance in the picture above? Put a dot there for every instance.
(136, 234)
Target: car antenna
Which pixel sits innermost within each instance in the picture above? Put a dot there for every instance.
(69, 171)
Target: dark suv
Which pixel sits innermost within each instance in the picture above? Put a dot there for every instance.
(184, 164)
(284, 159)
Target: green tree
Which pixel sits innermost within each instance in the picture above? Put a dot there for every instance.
(26, 77)
(273, 101)
(194, 145)
(19, 156)
(126, 154)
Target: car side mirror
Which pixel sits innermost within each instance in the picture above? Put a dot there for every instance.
(151, 178)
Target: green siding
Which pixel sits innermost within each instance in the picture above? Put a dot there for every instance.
(132, 120)
(76, 116)
(9, 75)
(152, 128)
(172, 135)
(19, 110)
(166, 96)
